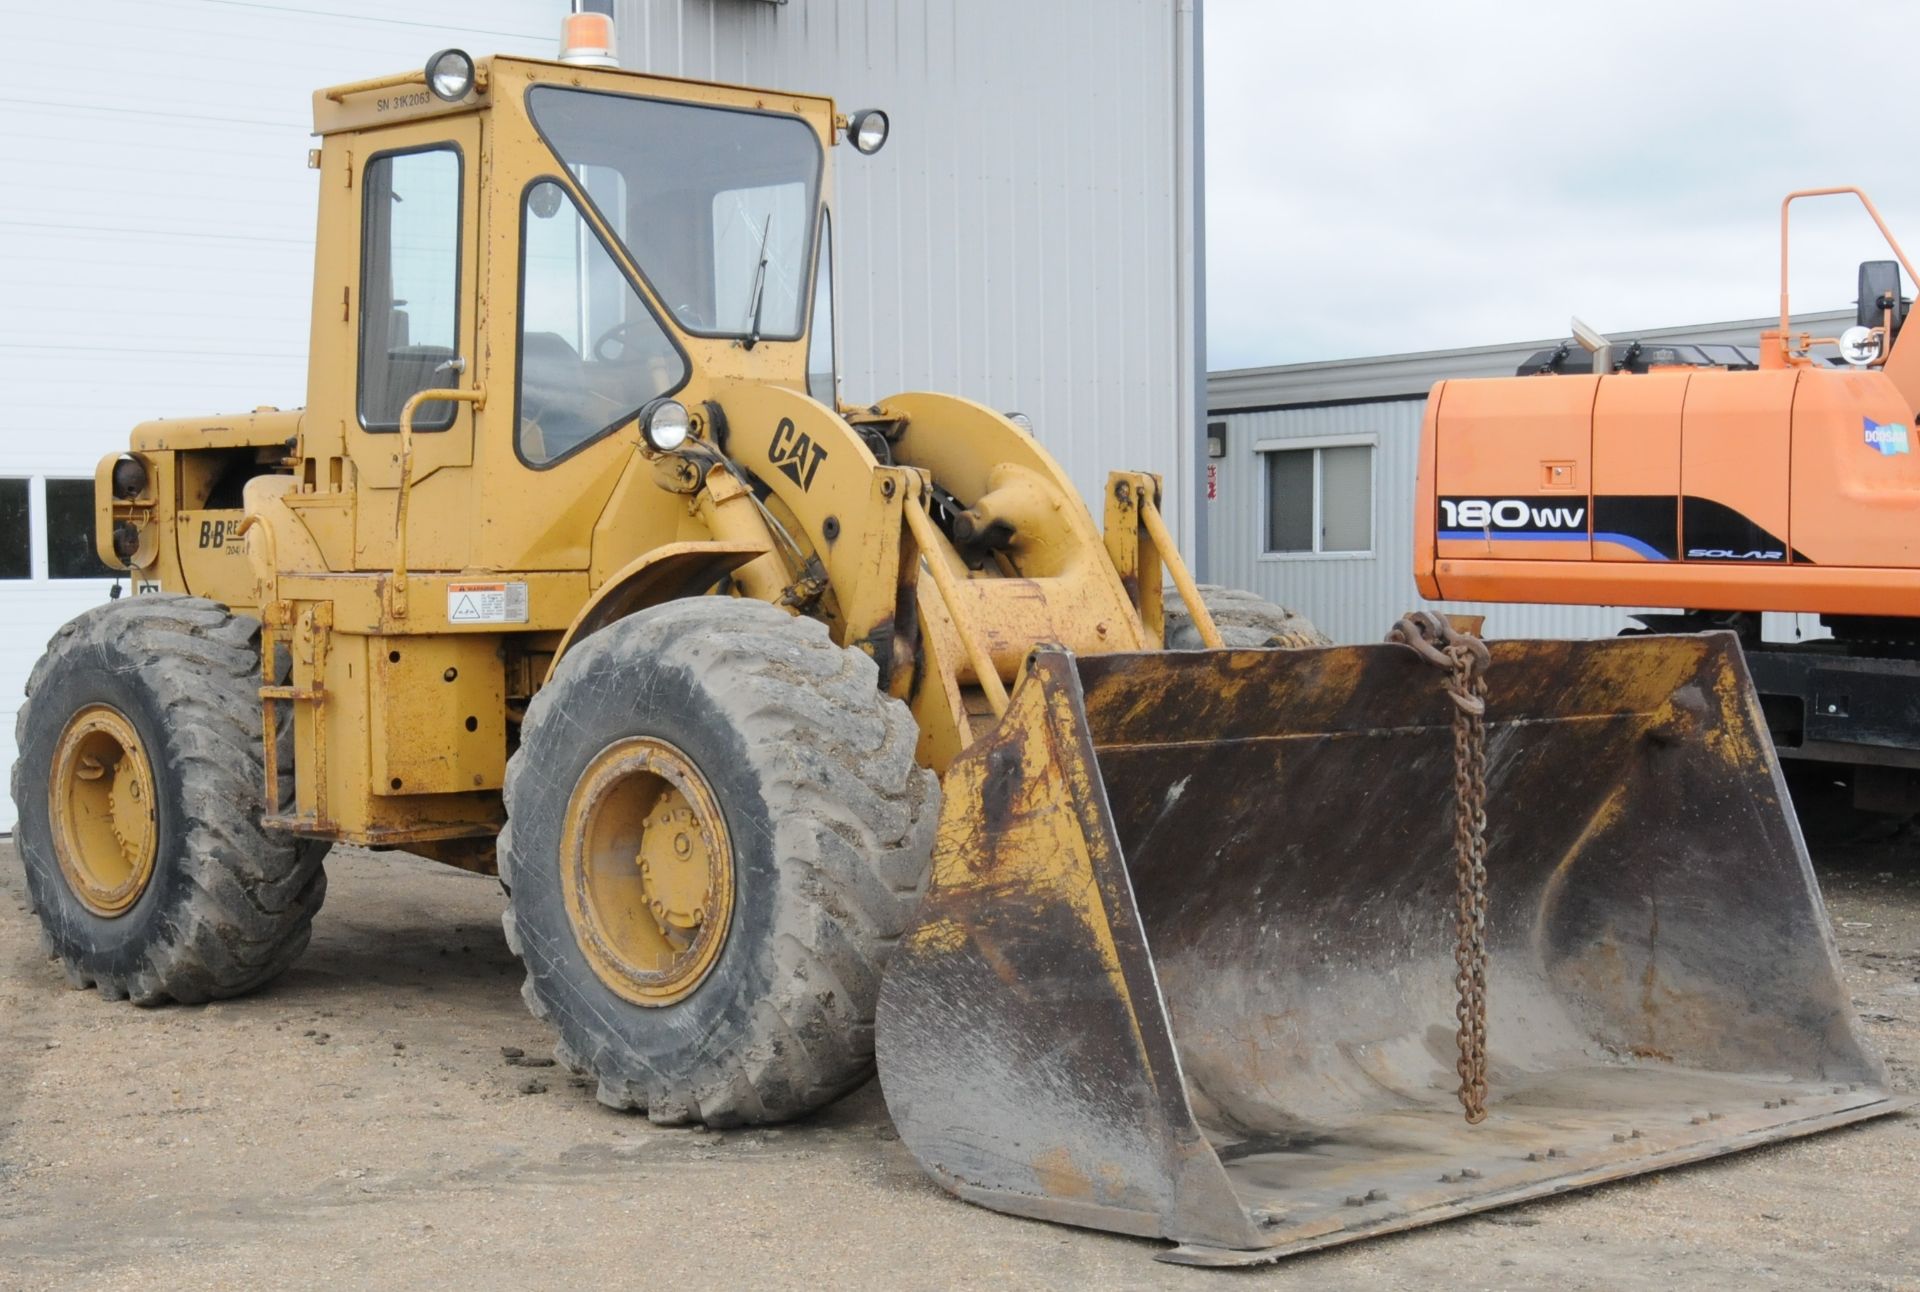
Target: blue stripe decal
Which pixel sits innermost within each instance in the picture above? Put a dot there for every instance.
(1536, 536)
(1629, 541)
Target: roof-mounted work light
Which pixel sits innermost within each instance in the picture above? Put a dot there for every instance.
(867, 129)
(450, 74)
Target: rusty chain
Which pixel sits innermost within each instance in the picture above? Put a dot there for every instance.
(1464, 658)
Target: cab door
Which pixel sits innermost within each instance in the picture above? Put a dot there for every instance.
(394, 314)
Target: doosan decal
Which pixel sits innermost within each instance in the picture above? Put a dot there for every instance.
(1886, 438)
(1547, 517)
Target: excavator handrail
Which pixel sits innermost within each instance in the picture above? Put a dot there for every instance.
(1872, 211)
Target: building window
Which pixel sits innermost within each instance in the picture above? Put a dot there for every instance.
(70, 550)
(1320, 499)
(16, 531)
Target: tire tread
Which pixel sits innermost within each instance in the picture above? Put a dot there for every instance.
(253, 893)
(854, 823)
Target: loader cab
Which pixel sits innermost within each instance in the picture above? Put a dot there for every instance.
(565, 245)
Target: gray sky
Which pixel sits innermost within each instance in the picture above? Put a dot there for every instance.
(1413, 174)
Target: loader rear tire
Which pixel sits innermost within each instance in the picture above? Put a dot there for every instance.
(1243, 620)
(139, 785)
(768, 755)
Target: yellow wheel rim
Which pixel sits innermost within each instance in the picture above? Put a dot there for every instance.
(647, 871)
(101, 805)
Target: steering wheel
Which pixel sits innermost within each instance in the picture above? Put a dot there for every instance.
(619, 334)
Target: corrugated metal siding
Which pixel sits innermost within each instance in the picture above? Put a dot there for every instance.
(1356, 598)
(158, 225)
(1016, 240)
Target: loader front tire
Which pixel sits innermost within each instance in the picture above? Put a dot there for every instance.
(139, 786)
(1243, 620)
(716, 831)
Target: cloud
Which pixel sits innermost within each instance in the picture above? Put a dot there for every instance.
(1406, 176)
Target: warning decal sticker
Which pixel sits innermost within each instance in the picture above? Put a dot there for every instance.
(486, 603)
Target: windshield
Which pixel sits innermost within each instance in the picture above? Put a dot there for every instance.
(706, 195)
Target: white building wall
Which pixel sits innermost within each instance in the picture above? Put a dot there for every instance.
(157, 225)
(1018, 241)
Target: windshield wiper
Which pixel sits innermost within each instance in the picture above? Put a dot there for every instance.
(759, 286)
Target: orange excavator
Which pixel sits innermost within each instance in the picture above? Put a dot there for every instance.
(1725, 481)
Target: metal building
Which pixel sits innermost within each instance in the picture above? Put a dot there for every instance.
(1310, 485)
(1028, 237)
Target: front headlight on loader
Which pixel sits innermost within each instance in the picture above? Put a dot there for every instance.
(665, 425)
(129, 478)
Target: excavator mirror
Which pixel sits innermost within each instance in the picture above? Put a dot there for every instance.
(1880, 292)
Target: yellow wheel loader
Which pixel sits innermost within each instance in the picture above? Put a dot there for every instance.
(798, 730)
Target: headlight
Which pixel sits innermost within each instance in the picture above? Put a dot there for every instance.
(129, 478)
(1022, 421)
(450, 74)
(1859, 346)
(665, 425)
(868, 130)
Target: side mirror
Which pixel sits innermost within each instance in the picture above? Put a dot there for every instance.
(1879, 292)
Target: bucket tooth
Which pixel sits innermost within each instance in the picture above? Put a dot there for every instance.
(1184, 968)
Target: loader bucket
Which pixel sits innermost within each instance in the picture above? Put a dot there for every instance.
(1185, 965)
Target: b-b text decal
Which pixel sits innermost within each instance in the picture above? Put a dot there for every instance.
(795, 453)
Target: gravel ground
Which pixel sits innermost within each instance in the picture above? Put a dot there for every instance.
(364, 1122)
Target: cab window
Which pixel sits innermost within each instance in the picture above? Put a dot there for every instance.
(720, 202)
(591, 353)
(409, 285)
(822, 371)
